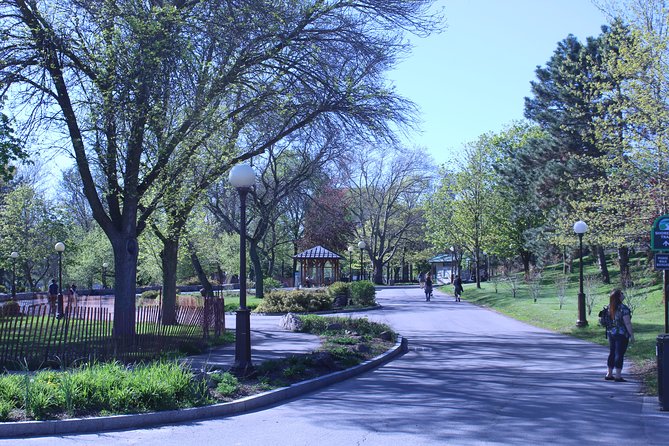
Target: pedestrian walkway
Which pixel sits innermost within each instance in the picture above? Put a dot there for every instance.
(268, 341)
(471, 377)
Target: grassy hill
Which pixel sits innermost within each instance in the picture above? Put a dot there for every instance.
(559, 314)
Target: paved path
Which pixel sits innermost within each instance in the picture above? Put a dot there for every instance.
(471, 377)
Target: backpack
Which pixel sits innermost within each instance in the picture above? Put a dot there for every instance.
(605, 317)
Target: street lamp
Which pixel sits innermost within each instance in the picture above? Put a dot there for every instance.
(350, 261)
(362, 245)
(104, 275)
(242, 177)
(452, 249)
(580, 228)
(60, 247)
(14, 256)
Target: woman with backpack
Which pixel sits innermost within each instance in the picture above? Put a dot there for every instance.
(620, 334)
(428, 287)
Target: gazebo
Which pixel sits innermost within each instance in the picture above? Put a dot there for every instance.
(320, 265)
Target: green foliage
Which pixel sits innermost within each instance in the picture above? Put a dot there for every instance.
(339, 289)
(226, 383)
(11, 149)
(297, 301)
(271, 284)
(150, 294)
(362, 293)
(11, 308)
(104, 388)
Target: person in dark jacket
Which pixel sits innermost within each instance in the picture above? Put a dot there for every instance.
(428, 287)
(457, 288)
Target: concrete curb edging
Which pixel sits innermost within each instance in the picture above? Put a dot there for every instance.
(119, 422)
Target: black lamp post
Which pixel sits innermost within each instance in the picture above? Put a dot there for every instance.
(361, 245)
(242, 177)
(579, 228)
(350, 261)
(60, 247)
(14, 255)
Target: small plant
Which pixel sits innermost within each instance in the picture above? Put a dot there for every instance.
(150, 294)
(512, 280)
(561, 285)
(227, 384)
(535, 285)
(590, 290)
(270, 283)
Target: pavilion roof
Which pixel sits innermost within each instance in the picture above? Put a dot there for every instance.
(317, 252)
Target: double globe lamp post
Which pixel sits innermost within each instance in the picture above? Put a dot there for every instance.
(242, 177)
(580, 228)
(362, 245)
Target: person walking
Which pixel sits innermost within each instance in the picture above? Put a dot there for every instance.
(457, 288)
(72, 297)
(620, 334)
(428, 287)
(53, 296)
(421, 280)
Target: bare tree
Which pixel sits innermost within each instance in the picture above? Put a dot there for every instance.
(388, 188)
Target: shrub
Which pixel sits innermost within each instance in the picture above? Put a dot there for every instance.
(295, 301)
(340, 289)
(11, 308)
(340, 293)
(270, 284)
(226, 383)
(150, 294)
(363, 293)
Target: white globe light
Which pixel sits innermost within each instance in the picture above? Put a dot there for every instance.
(580, 227)
(362, 244)
(60, 247)
(350, 249)
(242, 175)
(14, 254)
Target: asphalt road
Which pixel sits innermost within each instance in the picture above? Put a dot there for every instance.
(471, 377)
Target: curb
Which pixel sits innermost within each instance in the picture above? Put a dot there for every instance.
(253, 402)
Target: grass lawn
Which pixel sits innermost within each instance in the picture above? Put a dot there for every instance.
(646, 296)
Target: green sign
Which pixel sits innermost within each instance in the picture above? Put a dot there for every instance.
(659, 234)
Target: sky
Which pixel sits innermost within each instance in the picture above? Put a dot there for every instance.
(472, 78)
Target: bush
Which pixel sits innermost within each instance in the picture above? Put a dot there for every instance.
(295, 301)
(339, 289)
(270, 284)
(11, 308)
(363, 293)
(150, 294)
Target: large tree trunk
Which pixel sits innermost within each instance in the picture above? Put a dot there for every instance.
(624, 261)
(378, 271)
(257, 267)
(601, 257)
(125, 262)
(526, 257)
(168, 257)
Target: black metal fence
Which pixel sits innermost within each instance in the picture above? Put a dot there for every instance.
(34, 338)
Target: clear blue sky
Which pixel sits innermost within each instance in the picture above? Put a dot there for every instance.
(473, 77)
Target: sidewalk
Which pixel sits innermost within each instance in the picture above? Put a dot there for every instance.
(268, 341)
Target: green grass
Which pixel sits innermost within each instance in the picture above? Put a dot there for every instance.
(231, 300)
(112, 388)
(647, 320)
